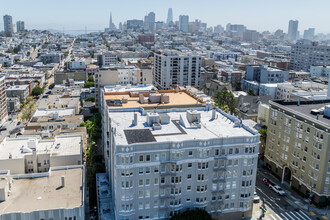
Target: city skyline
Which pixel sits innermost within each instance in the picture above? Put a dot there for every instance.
(36, 14)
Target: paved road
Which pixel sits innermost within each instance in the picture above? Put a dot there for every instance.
(279, 207)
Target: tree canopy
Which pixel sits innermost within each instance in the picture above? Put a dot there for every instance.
(89, 84)
(225, 100)
(37, 91)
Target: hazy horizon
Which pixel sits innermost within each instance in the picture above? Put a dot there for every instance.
(256, 14)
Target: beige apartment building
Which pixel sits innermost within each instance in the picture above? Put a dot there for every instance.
(298, 146)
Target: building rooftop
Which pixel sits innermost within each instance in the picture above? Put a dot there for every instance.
(129, 88)
(58, 146)
(306, 108)
(17, 87)
(52, 112)
(152, 100)
(178, 127)
(45, 193)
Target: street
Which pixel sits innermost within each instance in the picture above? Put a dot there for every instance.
(280, 207)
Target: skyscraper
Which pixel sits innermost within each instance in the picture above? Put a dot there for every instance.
(8, 25)
(184, 23)
(151, 18)
(309, 34)
(169, 16)
(293, 30)
(20, 25)
(111, 24)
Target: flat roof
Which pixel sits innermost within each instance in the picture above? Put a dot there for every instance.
(51, 112)
(306, 107)
(126, 133)
(44, 193)
(57, 146)
(181, 98)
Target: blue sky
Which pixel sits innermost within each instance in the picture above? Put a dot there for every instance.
(255, 14)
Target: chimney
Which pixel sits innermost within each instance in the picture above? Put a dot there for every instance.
(134, 122)
(213, 113)
(62, 181)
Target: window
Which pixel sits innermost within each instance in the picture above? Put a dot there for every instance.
(189, 165)
(140, 182)
(140, 170)
(189, 176)
(156, 181)
(147, 157)
(156, 157)
(141, 158)
(188, 188)
(190, 153)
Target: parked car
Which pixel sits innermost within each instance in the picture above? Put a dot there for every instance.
(278, 190)
(256, 198)
(268, 182)
(3, 129)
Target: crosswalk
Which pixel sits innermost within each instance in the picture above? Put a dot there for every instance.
(289, 215)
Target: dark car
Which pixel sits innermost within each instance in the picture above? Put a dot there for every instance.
(268, 182)
(3, 129)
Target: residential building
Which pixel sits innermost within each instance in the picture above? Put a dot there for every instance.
(162, 161)
(265, 74)
(76, 65)
(297, 148)
(293, 30)
(106, 59)
(8, 25)
(64, 77)
(13, 104)
(20, 91)
(248, 106)
(184, 23)
(175, 68)
(151, 21)
(317, 71)
(305, 54)
(56, 194)
(51, 58)
(3, 101)
(34, 155)
(212, 87)
(250, 36)
(20, 25)
(234, 77)
(309, 34)
(59, 102)
(288, 91)
(237, 30)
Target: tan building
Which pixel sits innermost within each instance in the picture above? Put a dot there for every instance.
(58, 194)
(59, 102)
(34, 155)
(298, 146)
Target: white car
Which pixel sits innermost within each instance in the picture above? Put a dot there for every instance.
(256, 198)
(278, 190)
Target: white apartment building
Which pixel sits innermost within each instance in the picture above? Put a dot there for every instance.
(34, 155)
(58, 194)
(76, 65)
(162, 162)
(107, 59)
(172, 67)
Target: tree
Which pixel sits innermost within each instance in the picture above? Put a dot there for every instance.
(251, 92)
(90, 79)
(197, 214)
(37, 91)
(89, 84)
(263, 133)
(51, 86)
(225, 100)
(89, 99)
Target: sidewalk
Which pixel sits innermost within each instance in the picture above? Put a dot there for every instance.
(299, 201)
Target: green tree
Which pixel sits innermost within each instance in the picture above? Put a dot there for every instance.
(263, 133)
(37, 91)
(51, 86)
(89, 99)
(196, 214)
(90, 79)
(89, 84)
(225, 100)
(251, 92)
